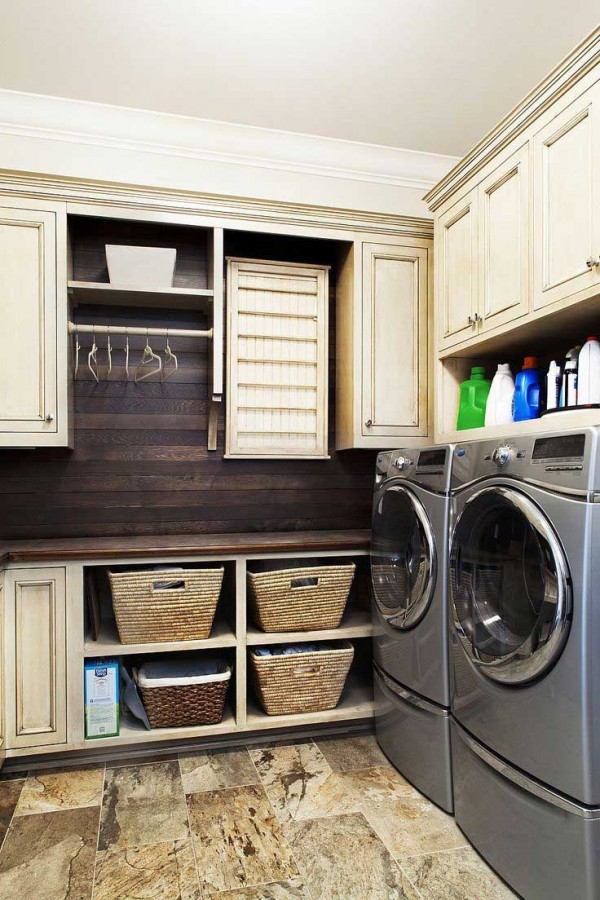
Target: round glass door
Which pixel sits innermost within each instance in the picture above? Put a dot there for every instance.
(403, 560)
(509, 586)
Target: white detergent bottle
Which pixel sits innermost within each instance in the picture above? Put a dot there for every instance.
(553, 385)
(498, 410)
(588, 373)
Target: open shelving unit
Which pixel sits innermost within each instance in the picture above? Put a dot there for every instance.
(233, 633)
(549, 338)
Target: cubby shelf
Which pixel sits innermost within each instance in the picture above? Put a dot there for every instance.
(103, 294)
(133, 732)
(108, 643)
(564, 421)
(356, 703)
(356, 624)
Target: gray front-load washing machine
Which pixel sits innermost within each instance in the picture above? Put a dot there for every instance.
(408, 570)
(524, 586)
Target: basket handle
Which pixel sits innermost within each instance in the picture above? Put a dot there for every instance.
(160, 586)
(306, 670)
(308, 581)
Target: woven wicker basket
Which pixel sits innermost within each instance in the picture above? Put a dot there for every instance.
(148, 612)
(305, 599)
(301, 682)
(189, 704)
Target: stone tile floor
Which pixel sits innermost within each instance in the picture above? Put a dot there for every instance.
(314, 820)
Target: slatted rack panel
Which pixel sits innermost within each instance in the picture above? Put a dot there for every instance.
(277, 359)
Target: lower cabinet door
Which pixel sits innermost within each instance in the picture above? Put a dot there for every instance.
(35, 657)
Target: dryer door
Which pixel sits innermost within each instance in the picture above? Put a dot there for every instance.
(509, 586)
(403, 557)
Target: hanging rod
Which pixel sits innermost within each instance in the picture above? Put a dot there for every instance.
(136, 330)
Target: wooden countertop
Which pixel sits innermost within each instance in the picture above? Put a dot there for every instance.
(68, 549)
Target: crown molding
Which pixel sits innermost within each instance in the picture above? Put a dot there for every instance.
(143, 131)
(238, 210)
(563, 77)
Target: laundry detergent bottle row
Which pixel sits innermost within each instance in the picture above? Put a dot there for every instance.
(528, 393)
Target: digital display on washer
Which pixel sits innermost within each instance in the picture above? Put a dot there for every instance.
(564, 446)
(429, 459)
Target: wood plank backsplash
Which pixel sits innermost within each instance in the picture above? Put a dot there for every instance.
(140, 463)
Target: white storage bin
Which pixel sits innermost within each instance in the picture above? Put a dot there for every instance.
(141, 267)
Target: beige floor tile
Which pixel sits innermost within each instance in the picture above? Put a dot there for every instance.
(411, 825)
(214, 770)
(237, 839)
(50, 856)
(166, 871)
(9, 796)
(275, 761)
(341, 858)
(280, 890)
(50, 791)
(455, 875)
(361, 752)
(143, 805)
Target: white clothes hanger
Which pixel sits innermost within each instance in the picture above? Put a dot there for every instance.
(127, 353)
(170, 366)
(148, 357)
(77, 349)
(93, 358)
(109, 354)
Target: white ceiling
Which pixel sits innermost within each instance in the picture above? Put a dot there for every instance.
(430, 75)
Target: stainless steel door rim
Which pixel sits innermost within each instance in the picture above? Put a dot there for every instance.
(403, 587)
(511, 598)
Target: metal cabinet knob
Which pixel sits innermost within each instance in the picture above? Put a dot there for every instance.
(474, 319)
(49, 418)
(591, 262)
(368, 423)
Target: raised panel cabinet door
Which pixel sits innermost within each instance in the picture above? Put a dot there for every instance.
(31, 388)
(457, 271)
(566, 167)
(35, 653)
(395, 340)
(504, 242)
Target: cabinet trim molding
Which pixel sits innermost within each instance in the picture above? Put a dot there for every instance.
(562, 78)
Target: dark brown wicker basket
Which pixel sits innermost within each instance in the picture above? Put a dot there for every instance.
(186, 704)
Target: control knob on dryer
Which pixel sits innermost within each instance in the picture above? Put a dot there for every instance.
(401, 462)
(502, 455)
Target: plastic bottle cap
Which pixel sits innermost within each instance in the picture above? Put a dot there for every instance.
(477, 371)
(592, 338)
(530, 362)
(504, 368)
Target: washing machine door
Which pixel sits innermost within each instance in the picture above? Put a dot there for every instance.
(509, 586)
(403, 557)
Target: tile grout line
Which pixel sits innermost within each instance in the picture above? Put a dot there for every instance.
(98, 833)
(189, 821)
(292, 854)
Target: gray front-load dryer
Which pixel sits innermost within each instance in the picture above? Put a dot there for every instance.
(408, 570)
(524, 585)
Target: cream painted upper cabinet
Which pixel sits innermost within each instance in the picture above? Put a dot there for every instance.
(458, 271)
(35, 657)
(394, 364)
(567, 193)
(504, 242)
(382, 353)
(33, 324)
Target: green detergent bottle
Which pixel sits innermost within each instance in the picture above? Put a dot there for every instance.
(473, 398)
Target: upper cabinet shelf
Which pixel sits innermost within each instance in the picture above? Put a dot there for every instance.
(95, 292)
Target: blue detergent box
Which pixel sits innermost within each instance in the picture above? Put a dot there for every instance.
(101, 691)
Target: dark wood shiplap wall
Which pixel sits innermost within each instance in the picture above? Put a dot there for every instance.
(140, 463)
